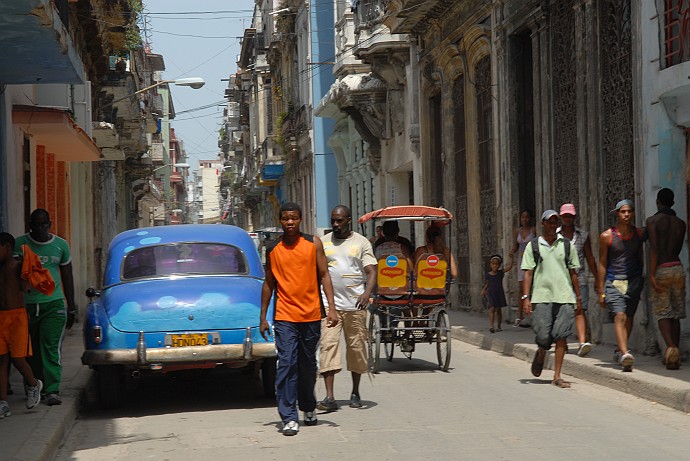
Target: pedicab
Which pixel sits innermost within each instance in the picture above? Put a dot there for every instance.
(411, 299)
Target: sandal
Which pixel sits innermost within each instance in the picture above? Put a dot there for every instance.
(517, 322)
(563, 384)
(538, 362)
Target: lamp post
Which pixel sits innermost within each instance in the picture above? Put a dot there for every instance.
(192, 82)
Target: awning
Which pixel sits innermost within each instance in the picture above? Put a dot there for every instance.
(55, 129)
(408, 213)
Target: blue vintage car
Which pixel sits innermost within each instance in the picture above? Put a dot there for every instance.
(175, 298)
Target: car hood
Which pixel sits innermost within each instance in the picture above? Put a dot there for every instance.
(184, 304)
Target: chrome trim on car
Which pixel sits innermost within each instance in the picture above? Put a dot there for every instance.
(188, 354)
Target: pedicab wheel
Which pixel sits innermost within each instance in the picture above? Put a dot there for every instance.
(443, 340)
(374, 342)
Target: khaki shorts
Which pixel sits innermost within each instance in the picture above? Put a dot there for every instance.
(354, 325)
(670, 303)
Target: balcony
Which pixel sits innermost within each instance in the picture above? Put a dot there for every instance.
(37, 47)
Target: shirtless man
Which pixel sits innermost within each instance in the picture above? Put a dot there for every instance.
(14, 327)
(666, 274)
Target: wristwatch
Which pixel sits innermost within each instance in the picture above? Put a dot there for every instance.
(523, 297)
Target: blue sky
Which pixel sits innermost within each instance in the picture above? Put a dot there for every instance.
(198, 39)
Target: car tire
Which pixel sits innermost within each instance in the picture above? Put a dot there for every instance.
(268, 377)
(109, 384)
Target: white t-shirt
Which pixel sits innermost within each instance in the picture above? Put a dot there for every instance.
(346, 261)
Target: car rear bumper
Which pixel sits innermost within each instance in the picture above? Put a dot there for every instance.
(219, 353)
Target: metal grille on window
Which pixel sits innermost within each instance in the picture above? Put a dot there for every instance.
(462, 247)
(563, 78)
(676, 32)
(489, 240)
(616, 101)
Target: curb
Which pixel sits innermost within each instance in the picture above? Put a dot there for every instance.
(54, 428)
(634, 384)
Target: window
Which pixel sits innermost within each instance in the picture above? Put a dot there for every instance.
(183, 259)
(676, 31)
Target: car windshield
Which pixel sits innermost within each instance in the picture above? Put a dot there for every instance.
(183, 258)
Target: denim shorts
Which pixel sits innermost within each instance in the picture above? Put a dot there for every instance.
(551, 322)
(623, 295)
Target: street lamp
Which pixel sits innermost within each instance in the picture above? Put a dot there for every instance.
(192, 82)
(176, 165)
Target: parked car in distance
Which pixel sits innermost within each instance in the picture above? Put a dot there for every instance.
(175, 298)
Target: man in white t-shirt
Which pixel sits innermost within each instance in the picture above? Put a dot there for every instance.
(352, 267)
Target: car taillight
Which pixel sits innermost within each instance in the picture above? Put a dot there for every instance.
(97, 334)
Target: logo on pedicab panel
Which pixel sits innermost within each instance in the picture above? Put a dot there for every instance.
(392, 261)
(432, 260)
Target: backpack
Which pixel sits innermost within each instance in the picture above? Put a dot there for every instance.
(537, 255)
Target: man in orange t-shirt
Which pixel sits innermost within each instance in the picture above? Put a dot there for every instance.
(296, 268)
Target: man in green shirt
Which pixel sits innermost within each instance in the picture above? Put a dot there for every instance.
(49, 315)
(551, 289)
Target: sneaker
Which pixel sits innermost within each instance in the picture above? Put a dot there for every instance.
(355, 401)
(310, 418)
(617, 356)
(291, 428)
(4, 409)
(53, 399)
(584, 349)
(327, 404)
(33, 394)
(627, 361)
(672, 358)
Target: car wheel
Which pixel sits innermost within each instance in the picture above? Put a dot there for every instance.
(268, 378)
(109, 382)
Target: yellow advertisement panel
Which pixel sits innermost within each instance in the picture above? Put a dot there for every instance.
(392, 272)
(431, 273)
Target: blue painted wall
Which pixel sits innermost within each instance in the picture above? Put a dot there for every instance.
(325, 168)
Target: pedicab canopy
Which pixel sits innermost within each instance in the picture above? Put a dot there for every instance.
(409, 213)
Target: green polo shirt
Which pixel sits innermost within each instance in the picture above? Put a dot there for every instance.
(551, 281)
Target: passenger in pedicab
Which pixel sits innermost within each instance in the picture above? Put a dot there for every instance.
(391, 232)
(436, 245)
(397, 300)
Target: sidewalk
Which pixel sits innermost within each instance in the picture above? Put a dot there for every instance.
(34, 435)
(649, 379)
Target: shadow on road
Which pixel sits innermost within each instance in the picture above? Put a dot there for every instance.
(184, 391)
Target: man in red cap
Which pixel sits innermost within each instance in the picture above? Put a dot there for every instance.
(580, 240)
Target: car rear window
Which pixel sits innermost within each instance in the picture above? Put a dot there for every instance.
(183, 258)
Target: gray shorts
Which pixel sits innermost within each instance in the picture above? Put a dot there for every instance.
(623, 295)
(551, 322)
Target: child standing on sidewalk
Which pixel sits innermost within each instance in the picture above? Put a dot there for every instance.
(14, 327)
(493, 290)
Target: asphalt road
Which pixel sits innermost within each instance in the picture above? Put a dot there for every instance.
(488, 407)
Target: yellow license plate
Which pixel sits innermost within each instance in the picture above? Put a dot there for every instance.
(189, 339)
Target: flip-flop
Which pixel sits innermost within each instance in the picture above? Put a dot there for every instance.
(561, 383)
(537, 363)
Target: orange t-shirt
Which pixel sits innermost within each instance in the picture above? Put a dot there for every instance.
(298, 296)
